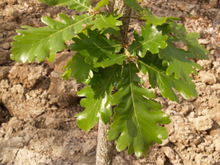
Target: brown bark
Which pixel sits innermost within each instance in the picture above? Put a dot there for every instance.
(104, 150)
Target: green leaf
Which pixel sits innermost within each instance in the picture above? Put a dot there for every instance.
(133, 4)
(78, 5)
(166, 83)
(178, 62)
(106, 21)
(97, 101)
(96, 44)
(155, 20)
(150, 40)
(100, 4)
(191, 40)
(77, 68)
(45, 42)
(113, 59)
(136, 118)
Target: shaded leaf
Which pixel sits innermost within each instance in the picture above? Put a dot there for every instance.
(97, 101)
(166, 83)
(191, 40)
(178, 62)
(155, 20)
(45, 42)
(133, 4)
(113, 59)
(77, 68)
(136, 118)
(96, 44)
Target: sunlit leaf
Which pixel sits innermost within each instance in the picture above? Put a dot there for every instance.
(45, 42)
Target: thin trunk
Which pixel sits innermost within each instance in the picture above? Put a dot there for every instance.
(104, 155)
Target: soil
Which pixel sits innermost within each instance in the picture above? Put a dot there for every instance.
(37, 108)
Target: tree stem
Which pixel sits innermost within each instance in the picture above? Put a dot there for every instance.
(104, 150)
(104, 155)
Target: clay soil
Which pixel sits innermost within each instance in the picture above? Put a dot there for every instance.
(37, 108)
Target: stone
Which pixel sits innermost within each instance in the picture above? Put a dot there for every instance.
(214, 132)
(61, 61)
(4, 71)
(51, 122)
(213, 101)
(169, 152)
(4, 57)
(27, 74)
(203, 123)
(216, 143)
(88, 147)
(214, 114)
(6, 46)
(65, 90)
(207, 78)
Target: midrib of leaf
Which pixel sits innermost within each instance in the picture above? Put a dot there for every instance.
(133, 102)
(103, 19)
(82, 5)
(144, 43)
(156, 70)
(104, 47)
(60, 31)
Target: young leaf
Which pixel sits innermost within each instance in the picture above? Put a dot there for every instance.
(133, 4)
(178, 62)
(78, 5)
(191, 40)
(155, 20)
(96, 44)
(106, 21)
(100, 4)
(45, 42)
(136, 118)
(158, 77)
(150, 40)
(113, 59)
(97, 101)
(77, 68)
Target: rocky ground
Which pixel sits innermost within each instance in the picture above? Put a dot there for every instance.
(37, 126)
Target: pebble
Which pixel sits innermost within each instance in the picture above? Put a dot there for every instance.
(6, 46)
(203, 123)
(217, 144)
(214, 114)
(207, 78)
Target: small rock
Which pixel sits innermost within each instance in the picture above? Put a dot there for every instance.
(4, 71)
(4, 57)
(214, 132)
(61, 61)
(213, 101)
(204, 41)
(203, 123)
(88, 147)
(28, 74)
(216, 143)
(169, 152)
(207, 78)
(52, 123)
(214, 114)
(205, 63)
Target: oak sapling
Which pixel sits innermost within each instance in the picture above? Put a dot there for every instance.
(105, 61)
